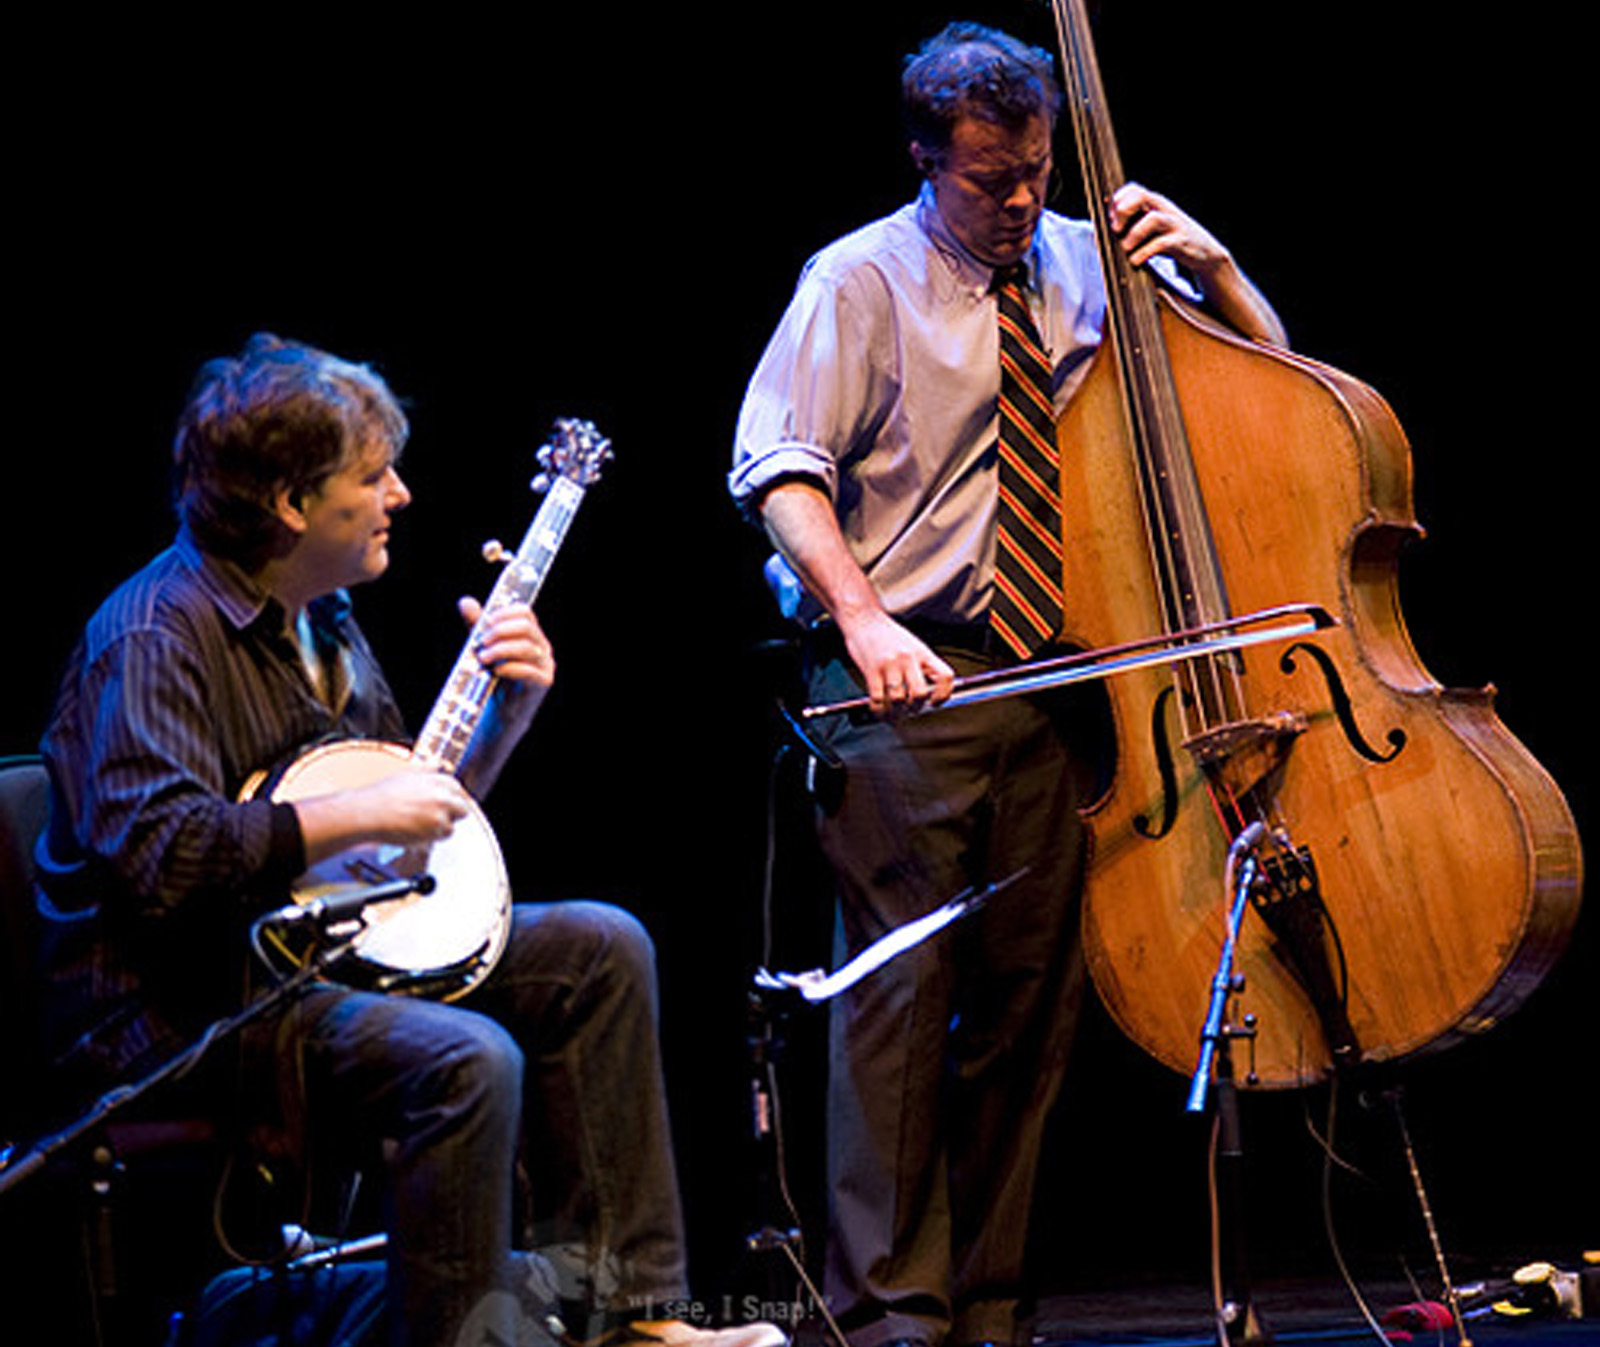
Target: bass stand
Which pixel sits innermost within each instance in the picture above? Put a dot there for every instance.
(1238, 1321)
(1390, 1095)
(771, 999)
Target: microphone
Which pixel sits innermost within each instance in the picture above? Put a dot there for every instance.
(1241, 860)
(1248, 840)
(340, 907)
(302, 1250)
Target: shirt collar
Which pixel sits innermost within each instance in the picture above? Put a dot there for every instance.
(237, 596)
(241, 599)
(968, 269)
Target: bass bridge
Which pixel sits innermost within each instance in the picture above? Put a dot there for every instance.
(1246, 758)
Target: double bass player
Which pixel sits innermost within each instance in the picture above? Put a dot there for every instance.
(867, 448)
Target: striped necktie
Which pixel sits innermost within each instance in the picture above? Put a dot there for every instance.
(1025, 612)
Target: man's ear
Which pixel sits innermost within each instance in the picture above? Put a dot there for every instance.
(288, 505)
(926, 161)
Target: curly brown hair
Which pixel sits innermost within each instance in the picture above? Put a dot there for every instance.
(970, 70)
(279, 416)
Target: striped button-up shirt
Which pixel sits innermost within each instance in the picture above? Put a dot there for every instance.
(184, 684)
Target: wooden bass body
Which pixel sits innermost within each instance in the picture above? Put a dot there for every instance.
(1444, 858)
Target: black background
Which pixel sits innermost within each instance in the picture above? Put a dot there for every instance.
(601, 212)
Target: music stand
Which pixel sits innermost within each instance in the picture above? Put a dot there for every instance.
(771, 997)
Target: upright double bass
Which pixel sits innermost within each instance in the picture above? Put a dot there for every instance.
(1420, 872)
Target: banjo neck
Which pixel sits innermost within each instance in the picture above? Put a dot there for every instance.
(451, 724)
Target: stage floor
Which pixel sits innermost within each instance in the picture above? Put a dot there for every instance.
(1319, 1311)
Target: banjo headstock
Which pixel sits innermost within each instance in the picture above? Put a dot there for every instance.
(576, 451)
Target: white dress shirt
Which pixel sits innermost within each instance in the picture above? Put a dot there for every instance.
(880, 386)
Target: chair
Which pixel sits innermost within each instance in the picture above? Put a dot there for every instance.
(24, 804)
(113, 1238)
(93, 1240)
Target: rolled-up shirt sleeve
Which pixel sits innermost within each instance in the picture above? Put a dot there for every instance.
(811, 398)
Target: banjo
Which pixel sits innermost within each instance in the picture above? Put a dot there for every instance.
(448, 925)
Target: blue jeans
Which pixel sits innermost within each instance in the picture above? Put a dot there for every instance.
(557, 1050)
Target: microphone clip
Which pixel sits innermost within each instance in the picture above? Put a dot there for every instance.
(349, 905)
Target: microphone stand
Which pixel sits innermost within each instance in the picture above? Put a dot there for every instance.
(1237, 1318)
(768, 1004)
(16, 1169)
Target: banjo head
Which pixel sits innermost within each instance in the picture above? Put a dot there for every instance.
(452, 934)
